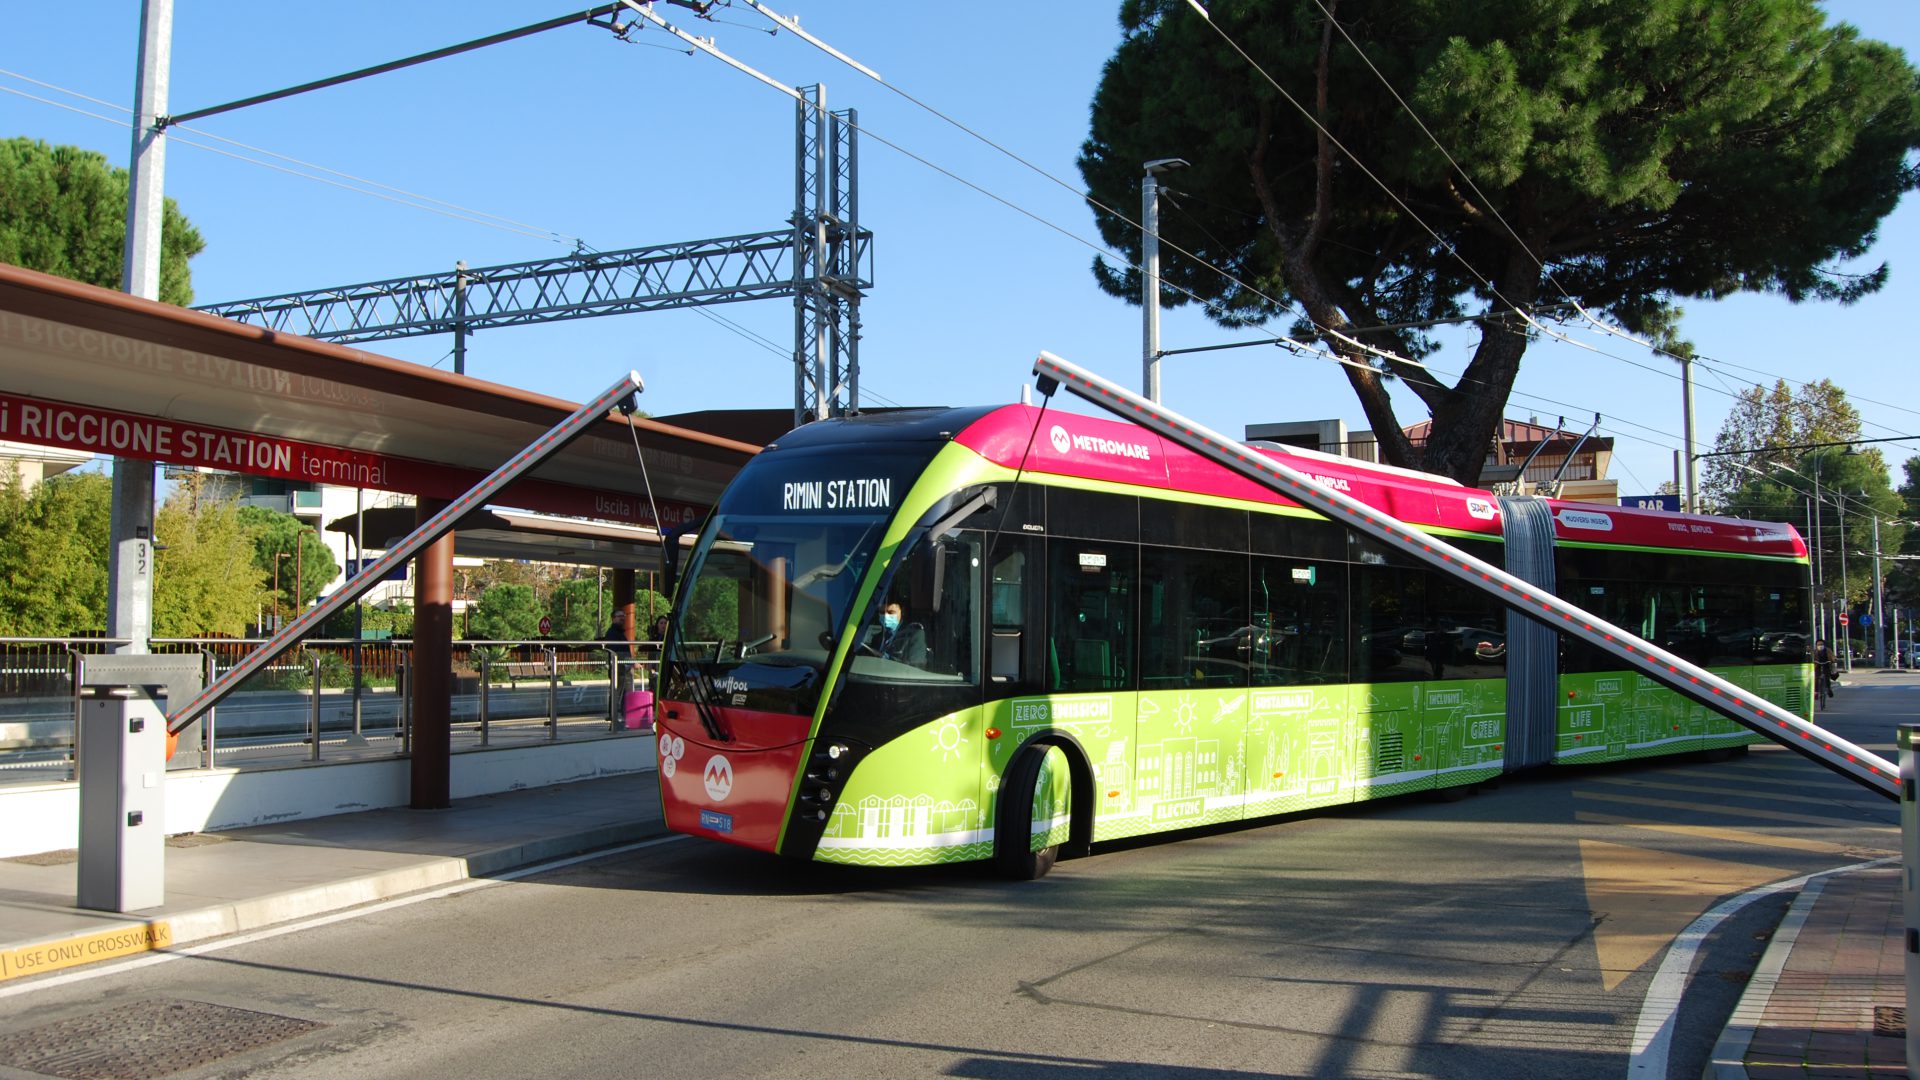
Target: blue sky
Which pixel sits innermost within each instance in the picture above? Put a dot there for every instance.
(573, 134)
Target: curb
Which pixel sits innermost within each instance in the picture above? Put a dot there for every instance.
(135, 936)
(1728, 1059)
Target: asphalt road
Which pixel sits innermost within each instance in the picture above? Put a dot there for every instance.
(1513, 934)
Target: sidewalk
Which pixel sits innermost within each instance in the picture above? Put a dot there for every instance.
(232, 882)
(1829, 997)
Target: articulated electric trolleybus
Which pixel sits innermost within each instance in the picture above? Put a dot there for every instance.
(1101, 635)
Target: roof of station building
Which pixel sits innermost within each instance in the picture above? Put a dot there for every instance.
(92, 369)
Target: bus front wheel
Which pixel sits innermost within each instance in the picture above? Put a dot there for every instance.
(1034, 816)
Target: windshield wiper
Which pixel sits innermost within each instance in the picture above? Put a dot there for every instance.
(701, 689)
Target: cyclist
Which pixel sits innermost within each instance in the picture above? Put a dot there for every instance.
(1822, 673)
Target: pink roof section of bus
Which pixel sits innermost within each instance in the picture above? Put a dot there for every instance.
(1092, 448)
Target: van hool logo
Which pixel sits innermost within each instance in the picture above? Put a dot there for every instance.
(1094, 444)
(718, 778)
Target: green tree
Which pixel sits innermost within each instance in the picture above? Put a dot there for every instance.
(579, 607)
(505, 613)
(53, 554)
(1903, 572)
(1761, 421)
(1853, 490)
(1627, 154)
(297, 563)
(714, 613)
(206, 577)
(63, 211)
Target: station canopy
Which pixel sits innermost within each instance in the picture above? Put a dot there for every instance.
(95, 370)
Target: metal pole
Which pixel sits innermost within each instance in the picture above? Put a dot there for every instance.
(1150, 272)
(486, 689)
(1150, 285)
(1846, 594)
(817, 231)
(1686, 399)
(553, 693)
(1909, 889)
(405, 718)
(1677, 674)
(359, 738)
(210, 726)
(130, 522)
(313, 720)
(460, 317)
(1879, 602)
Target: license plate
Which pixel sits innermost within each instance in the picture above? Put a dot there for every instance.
(716, 821)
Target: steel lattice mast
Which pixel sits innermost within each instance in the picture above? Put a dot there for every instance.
(822, 258)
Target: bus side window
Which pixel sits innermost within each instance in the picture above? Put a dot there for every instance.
(1090, 628)
(1016, 597)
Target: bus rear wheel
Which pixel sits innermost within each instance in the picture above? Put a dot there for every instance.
(1034, 816)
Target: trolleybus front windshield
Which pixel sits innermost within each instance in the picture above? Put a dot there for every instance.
(771, 583)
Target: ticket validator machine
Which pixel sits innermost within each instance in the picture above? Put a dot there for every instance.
(122, 769)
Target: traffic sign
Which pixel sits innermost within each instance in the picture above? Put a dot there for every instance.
(1843, 618)
(398, 573)
(546, 626)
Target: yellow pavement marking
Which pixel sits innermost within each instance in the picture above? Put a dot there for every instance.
(74, 951)
(1739, 811)
(1715, 832)
(1641, 898)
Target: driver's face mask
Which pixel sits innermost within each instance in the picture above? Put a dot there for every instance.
(890, 620)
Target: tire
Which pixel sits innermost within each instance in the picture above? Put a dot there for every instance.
(1038, 780)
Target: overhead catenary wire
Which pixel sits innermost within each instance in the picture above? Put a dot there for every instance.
(372, 188)
(1295, 346)
(1298, 348)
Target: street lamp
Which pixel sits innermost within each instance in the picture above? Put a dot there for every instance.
(1879, 605)
(1150, 272)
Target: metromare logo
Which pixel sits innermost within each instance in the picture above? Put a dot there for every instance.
(719, 778)
(1093, 444)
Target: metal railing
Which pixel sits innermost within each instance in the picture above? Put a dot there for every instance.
(331, 700)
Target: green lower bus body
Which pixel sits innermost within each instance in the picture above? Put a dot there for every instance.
(1160, 761)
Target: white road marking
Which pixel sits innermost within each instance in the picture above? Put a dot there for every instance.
(1653, 1034)
(220, 944)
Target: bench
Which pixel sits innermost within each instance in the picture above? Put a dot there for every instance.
(517, 670)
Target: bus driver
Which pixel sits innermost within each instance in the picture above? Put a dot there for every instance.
(894, 639)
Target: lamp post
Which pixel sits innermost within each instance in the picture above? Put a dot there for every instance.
(1846, 595)
(1150, 273)
(1879, 602)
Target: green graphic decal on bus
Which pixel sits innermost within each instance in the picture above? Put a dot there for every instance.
(1051, 818)
(917, 800)
(1615, 716)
